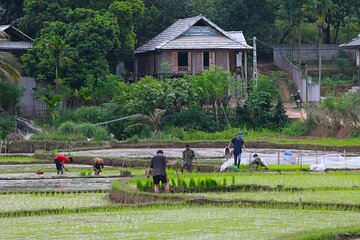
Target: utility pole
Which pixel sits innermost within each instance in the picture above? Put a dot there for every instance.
(320, 65)
(255, 71)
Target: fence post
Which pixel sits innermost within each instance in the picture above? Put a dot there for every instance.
(345, 158)
(278, 160)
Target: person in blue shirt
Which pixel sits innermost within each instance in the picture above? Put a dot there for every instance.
(238, 145)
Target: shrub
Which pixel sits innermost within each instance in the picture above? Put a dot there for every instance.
(67, 127)
(298, 128)
(89, 114)
(92, 131)
(7, 124)
(87, 129)
(101, 134)
(194, 119)
(133, 139)
(10, 94)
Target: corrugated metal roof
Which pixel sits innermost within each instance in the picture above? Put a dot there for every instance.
(6, 27)
(202, 42)
(15, 45)
(179, 27)
(352, 44)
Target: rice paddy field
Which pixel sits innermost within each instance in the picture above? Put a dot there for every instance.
(228, 213)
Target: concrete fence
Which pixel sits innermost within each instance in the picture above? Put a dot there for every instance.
(309, 92)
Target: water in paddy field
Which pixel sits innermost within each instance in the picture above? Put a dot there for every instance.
(25, 179)
(271, 156)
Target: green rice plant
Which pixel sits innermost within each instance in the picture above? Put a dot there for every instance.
(183, 184)
(224, 182)
(139, 185)
(192, 183)
(173, 183)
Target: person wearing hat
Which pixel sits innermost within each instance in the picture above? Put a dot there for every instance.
(99, 163)
(258, 161)
(238, 145)
(188, 158)
(298, 99)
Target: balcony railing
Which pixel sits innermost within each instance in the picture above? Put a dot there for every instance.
(183, 69)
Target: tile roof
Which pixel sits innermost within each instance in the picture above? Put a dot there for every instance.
(202, 42)
(172, 36)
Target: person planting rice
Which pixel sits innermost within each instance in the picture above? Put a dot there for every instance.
(238, 144)
(188, 158)
(158, 163)
(98, 164)
(258, 162)
(60, 160)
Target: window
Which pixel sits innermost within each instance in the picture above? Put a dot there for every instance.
(206, 60)
(182, 59)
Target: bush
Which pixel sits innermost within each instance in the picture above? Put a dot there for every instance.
(92, 131)
(101, 134)
(195, 119)
(10, 94)
(89, 114)
(7, 124)
(67, 127)
(297, 128)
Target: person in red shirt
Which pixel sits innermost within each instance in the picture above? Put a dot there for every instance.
(60, 160)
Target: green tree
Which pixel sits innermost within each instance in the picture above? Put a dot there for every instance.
(254, 18)
(179, 92)
(52, 102)
(289, 15)
(86, 38)
(10, 11)
(39, 12)
(127, 14)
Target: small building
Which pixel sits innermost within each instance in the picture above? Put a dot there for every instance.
(355, 44)
(190, 46)
(17, 43)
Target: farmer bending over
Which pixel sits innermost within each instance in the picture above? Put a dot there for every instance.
(158, 164)
(60, 160)
(188, 157)
(99, 163)
(258, 162)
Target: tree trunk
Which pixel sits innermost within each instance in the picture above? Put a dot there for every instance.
(287, 32)
(327, 31)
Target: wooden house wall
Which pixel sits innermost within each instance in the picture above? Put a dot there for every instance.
(150, 63)
(145, 64)
(232, 63)
(222, 59)
(197, 62)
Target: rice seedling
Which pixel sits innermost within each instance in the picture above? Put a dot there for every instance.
(177, 222)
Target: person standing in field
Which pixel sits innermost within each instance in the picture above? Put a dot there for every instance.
(158, 163)
(238, 145)
(188, 158)
(60, 160)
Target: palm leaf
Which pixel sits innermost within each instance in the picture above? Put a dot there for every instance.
(9, 67)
